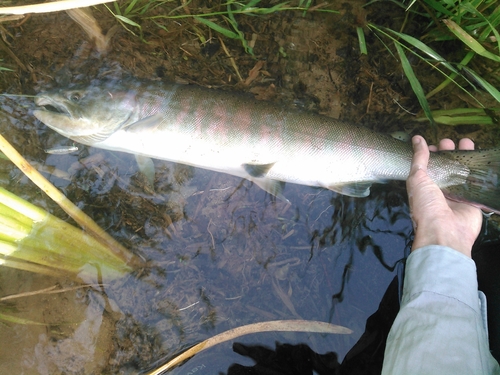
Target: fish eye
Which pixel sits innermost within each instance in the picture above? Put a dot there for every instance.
(75, 97)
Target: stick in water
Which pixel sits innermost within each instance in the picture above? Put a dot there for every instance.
(271, 326)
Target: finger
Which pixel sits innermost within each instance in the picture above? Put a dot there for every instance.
(420, 155)
(433, 148)
(466, 144)
(446, 144)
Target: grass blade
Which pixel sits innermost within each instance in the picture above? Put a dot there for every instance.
(438, 5)
(127, 21)
(424, 48)
(13, 319)
(236, 28)
(130, 7)
(250, 4)
(30, 267)
(362, 41)
(484, 84)
(415, 84)
(495, 18)
(451, 78)
(466, 120)
(468, 40)
(215, 27)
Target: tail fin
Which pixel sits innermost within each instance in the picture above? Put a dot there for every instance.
(482, 188)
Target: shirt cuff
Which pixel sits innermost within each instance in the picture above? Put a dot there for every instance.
(441, 270)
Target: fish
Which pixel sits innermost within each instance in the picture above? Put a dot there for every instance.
(265, 143)
(61, 150)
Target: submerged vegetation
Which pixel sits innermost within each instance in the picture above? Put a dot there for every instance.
(33, 240)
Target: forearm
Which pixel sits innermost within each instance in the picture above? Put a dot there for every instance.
(440, 328)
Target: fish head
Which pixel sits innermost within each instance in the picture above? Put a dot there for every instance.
(86, 114)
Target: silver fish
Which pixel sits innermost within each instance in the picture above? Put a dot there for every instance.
(261, 142)
(61, 150)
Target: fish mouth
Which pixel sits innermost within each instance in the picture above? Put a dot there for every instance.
(47, 104)
(62, 118)
(58, 116)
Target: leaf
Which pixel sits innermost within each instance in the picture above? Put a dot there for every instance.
(484, 84)
(13, 319)
(415, 84)
(362, 41)
(492, 22)
(439, 7)
(127, 20)
(217, 28)
(468, 40)
(424, 48)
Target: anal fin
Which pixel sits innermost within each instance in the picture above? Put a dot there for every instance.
(257, 170)
(147, 168)
(352, 189)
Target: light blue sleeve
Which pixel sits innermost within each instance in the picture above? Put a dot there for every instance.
(441, 326)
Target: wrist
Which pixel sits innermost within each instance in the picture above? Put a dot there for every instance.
(449, 239)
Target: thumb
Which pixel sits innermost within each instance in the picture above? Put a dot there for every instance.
(420, 155)
(420, 188)
(418, 168)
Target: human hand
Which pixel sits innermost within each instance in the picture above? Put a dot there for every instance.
(437, 220)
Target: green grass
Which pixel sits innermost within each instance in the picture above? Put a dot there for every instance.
(474, 24)
(3, 68)
(220, 19)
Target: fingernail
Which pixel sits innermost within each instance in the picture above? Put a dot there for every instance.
(416, 140)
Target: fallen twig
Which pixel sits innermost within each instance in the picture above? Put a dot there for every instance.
(272, 326)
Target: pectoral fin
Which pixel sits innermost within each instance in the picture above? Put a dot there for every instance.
(147, 168)
(257, 170)
(353, 189)
(147, 123)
